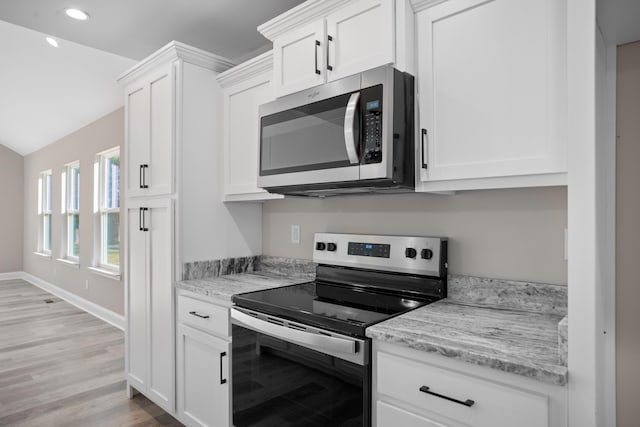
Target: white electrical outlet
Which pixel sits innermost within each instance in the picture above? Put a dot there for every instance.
(295, 234)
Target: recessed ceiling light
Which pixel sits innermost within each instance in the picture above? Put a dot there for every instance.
(77, 14)
(52, 41)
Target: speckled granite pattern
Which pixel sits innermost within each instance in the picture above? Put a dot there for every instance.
(508, 294)
(519, 342)
(224, 287)
(285, 266)
(217, 267)
(563, 340)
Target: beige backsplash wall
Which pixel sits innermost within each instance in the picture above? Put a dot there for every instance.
(513, 234)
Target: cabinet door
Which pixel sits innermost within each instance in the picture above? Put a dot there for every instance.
(161, 103)
(241, 140)
(359, 37)
(391, 416)
(492, 88)
(136, 287)
(137, 138)
(159, 222)
(203, 385)
(149, 135)
(299, 59)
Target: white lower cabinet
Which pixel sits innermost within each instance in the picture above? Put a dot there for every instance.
(150, 322)
(389, 415)
(416, 389)
(203, 362)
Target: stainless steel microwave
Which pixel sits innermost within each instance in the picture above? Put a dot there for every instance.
(352, 135)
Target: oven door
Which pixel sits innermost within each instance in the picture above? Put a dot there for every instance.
(288, 374)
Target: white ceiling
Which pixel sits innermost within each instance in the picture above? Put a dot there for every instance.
(619, 20)
(47, 93)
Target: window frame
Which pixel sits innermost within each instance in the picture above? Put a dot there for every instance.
(68, 209)
(45, 210)
(102, 210)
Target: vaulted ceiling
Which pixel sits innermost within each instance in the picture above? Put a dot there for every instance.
(47, 93)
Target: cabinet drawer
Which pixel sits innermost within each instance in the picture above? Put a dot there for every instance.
(493, 404)
(388, 415)
(204, 315)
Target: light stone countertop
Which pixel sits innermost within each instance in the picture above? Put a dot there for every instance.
(519, 342)
(224, 287)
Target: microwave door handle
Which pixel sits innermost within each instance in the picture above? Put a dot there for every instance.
(349, 121)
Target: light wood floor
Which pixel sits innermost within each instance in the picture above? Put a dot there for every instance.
(60, 366)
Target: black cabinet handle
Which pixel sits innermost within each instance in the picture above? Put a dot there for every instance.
(140, 173)
(424, 140)
(141, 219)
(222, 380)
(316, 56)
(469, 403)
(329, 39)
(144, 176)
(202, 316)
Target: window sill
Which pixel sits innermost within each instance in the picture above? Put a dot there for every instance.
(115, 275)
(69, 262)
(43, 255)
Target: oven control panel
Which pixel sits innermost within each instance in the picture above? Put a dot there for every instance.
(405, 254)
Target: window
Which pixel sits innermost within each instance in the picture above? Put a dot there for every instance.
(44, 211)
(109, 209)
(71, 209)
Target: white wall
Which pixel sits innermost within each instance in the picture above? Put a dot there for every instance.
(510, 234)
(11, 214)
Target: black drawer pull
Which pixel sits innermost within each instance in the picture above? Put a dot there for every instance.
(222, 380)
(202, 316)
(467, 402)
(316, 56)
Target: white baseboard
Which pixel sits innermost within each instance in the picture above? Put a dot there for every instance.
(11, 276)
(92, 308)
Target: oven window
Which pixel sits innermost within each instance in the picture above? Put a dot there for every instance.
(305, 138)
(277, 383)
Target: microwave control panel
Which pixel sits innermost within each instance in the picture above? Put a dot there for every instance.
(372, 125)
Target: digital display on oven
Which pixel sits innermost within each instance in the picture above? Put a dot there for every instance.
(378, 250)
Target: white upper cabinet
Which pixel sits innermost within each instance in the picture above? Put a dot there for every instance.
(492, 94)
(360, 36)
(149, 121)
(299, 58)
(346, 37)
(245, 87)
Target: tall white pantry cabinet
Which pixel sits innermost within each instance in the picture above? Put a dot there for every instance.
(173, 203)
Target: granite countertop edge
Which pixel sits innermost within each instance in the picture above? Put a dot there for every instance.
(555, 374)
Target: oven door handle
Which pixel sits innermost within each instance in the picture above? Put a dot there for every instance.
(349, 122)
(323, 343)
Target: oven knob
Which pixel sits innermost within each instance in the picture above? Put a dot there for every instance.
(410, 253)
(320, 246)
(426, 254)
(332, 247)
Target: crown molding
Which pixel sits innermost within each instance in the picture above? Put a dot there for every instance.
(171, 52)
(254, 66)
(419, 5)
(308, 11)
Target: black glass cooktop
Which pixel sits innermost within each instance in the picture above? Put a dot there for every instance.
(339, 308)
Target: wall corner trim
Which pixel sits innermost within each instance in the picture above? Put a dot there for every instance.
(92, 308)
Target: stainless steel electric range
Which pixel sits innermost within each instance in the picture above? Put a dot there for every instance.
(300, 356)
